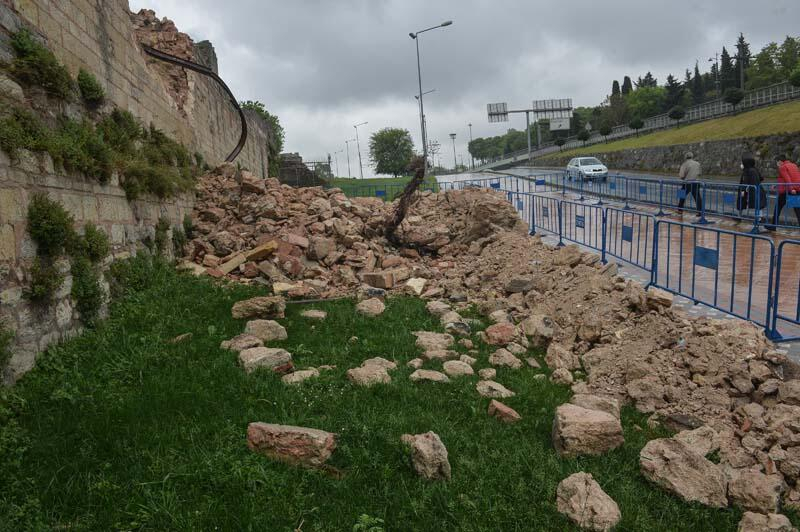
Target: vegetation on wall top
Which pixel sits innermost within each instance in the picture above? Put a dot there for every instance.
(36, 65)
(275, 146)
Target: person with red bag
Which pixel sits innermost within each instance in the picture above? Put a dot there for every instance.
(788, 189)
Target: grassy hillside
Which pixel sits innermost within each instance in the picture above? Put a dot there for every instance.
(784, 118)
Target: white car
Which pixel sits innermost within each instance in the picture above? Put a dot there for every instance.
(587, 168)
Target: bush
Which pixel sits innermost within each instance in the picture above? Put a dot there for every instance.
(162, 227)
(91, 90)
(179, 241)
(19, 129)
(93, 244)
(733, 96)
(45, 281)
(120, 130)
(36, 65)
(79, 147)
(677, 113)
(583, 136)
(188, 226)
(49, 225)
(86, 290)
(5, 345)
(136, 274)
(636, 124)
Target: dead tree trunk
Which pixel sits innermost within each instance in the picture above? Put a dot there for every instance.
(418, 167)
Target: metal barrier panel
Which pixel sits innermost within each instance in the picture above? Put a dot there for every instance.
(742, 202)
(630, 237)
(785, 324)
(782, 208)
(681, 194)
(544, 214)
(725, 270)
(583, 224)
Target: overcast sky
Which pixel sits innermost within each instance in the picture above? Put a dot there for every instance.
(323, 66)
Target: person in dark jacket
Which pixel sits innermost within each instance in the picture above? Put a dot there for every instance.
(752, 197)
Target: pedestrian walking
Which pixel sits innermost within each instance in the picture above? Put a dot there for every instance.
(690, 173)
(788, 190)
(752, 196)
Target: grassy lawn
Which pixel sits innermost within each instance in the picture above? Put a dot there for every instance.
(368, 187)
(772, 120)
(118, 429)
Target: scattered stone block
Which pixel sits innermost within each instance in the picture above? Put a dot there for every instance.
(295, 445)
(241, 342)
(502, 358)
(431, 341)
(502, 412)
(371, 307)
(368, 375)
(457, 368)
(596, 402)
(265, 307)
(487, 374)
(428, 456)
(580, 431)
(428, 375)
(278, 360)
(314, 314)
(753, 522)
(493, 390)
(266, 330)
(756, 492)
(581, 498)
(296, 377)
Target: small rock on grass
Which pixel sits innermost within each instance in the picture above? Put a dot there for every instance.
(241, 342)
(295, 445)
(466, 343)
(581, 498)
(428, 375)
(580, 431)
(440, 354)
(431, 341)
(487, 374)
(381, 362)
(266, 330)
(516, 349)
(278, 360)
(371, 307)
(533, 363)
(494, 390)
(562, 376)
(502, 358)
(428, 455)
(299, 376)
(457, 368)
(368, 375)
(259, 307)
(596, 402)
(503, 412)
(467, 359)
(415, 363)
(313, 314)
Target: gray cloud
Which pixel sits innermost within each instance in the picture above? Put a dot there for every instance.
(323, 66)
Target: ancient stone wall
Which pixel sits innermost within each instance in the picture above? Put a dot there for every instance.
(103, 36)
(717, 157)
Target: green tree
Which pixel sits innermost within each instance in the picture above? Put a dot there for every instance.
(647, 101)
(647, 81)
(615, 90)
(636, 124)
(560, 142)
(605, 130)
(733, 96)
(391, 149)
(583, 135)
(627, 86)
(674, 92)
(727, 74)
(788, 57)
(698, 87)
(677, 113)
(742, 58)
(794, 77)
(277, 135)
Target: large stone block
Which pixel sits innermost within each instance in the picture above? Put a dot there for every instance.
(580, 431)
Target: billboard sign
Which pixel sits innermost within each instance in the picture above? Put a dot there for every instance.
(498, 112)
(556, 108)
(559, 124)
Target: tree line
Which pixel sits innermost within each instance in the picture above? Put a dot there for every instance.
(630, 102)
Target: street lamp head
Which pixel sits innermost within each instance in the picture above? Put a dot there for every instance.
(452, 136)
(447, 23)
(412, 35)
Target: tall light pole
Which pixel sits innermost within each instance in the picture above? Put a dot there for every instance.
(715, 59)
(453, 138)
(347, 145)
(336, 158)
(470, 140)
(358, 145)
(415, 36)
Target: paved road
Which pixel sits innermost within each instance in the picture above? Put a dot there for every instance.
(738, 284)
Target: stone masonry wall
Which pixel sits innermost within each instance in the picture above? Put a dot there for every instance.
(99, 36)
(717, 157)
(126, 223)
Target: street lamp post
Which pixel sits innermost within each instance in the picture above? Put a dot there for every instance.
(453, 138)
(347, 145)
(715, 59)
(470, 141)
(358, 146)
(336, 158)
(415, 36)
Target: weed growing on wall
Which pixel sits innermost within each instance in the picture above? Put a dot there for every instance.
(94, 244)
(86, 289)
(34, 64)
(49, 225)
(162, 227)
(45, 280)
(6, 336)
(91, 91)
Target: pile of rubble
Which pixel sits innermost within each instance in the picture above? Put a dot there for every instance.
(615, 339)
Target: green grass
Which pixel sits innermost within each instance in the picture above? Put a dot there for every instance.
(367, 187)
(118, 429)
(772, 120)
